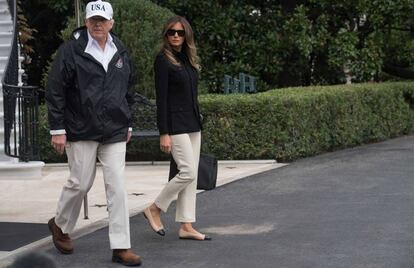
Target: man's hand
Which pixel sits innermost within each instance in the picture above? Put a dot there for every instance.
(165, 143)
(59, 142)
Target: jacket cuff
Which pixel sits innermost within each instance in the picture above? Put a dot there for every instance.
(57, 132)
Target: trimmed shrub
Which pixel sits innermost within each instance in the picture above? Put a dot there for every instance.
(139, 24)
(292, 123)
(288, 124)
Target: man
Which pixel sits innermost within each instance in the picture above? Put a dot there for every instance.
(89, 101)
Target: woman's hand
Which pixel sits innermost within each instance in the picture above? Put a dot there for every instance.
(165, 143)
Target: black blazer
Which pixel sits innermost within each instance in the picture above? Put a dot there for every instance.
(176, 90)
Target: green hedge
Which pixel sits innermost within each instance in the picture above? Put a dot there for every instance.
(139, 24)
(288, 124)
(291, 123)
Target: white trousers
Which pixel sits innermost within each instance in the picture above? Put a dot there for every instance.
(82, 164)
(185, 149)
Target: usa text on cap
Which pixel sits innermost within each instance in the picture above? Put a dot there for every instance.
(99, 8)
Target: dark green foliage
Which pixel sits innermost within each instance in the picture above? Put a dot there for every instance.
(297, 43)
(232, 38)
(139, 24)
(291, 123)
(283, 43)
(47, 18)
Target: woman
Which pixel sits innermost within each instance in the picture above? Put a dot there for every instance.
(178, 117)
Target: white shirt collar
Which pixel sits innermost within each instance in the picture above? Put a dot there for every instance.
(103, 56)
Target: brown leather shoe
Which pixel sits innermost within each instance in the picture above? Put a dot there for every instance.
(126, 257)
(62, 241)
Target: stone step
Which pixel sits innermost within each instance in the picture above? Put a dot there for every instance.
(21, 170)
(5, 14)
(4, 5)
(4, 157)
(6, 37)
(5, 49)
(6, 26)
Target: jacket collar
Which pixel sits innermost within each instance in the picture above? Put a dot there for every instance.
(80, 37)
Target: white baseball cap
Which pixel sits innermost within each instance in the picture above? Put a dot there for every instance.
(99, 8)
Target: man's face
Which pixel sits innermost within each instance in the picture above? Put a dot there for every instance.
(99, 27)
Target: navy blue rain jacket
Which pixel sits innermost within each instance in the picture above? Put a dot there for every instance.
(84, 99)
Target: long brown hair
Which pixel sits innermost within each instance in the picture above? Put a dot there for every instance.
(188, 47)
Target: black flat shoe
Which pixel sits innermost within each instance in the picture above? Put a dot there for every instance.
(192, 236)
(148, 216)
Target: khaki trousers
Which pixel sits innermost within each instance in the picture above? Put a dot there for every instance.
(82, 164)
(185, 149)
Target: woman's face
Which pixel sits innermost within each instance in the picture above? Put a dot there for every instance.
(176, 36)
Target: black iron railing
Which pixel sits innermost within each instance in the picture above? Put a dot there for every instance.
(20, 104)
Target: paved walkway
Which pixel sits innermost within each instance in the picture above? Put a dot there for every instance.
(34, 201)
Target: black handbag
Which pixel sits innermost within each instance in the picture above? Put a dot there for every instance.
(207, 172)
